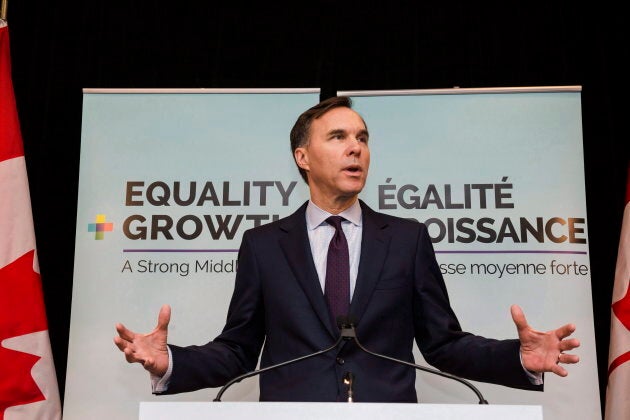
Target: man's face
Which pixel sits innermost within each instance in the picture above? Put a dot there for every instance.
(337, 156)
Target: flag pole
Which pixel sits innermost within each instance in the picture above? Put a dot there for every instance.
(3, 10)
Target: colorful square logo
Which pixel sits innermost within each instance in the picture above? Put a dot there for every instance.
(100, 227)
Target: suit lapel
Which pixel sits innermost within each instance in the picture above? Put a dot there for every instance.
(296, 248)
(374, 246)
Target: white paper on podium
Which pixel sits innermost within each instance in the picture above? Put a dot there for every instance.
(317, 411)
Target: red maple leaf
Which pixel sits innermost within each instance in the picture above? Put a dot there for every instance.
(21, 312)
(621, 308)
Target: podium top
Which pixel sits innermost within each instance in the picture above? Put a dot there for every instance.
(317, 411)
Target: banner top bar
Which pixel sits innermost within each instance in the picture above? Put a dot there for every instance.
(458, 91)
(201, 90)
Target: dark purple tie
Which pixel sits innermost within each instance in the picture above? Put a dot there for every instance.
(337, 288)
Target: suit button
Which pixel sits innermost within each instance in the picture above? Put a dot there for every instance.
(340, 361)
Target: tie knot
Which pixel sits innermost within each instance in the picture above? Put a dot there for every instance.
(335, 221)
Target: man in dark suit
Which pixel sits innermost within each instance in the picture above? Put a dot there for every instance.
(290, 287)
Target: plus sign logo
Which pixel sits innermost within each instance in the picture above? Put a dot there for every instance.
(100, 227)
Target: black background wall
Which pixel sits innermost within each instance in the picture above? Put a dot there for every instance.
(58, 48)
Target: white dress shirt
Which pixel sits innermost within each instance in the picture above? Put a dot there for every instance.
(320, 233)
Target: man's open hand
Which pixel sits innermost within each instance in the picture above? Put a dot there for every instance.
(147, 349)
(544, 351)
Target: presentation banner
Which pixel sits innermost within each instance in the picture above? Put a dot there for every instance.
(169, 181)
(498, 177)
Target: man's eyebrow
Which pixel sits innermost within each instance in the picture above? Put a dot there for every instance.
(336, 132)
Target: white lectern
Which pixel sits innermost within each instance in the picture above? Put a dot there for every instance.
(318, 411)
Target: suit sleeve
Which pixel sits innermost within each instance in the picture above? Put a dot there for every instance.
(235, 351)
(441, 339)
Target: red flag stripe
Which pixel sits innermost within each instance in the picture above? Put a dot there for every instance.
(10, 137)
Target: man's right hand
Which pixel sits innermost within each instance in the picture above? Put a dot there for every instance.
(148, 349)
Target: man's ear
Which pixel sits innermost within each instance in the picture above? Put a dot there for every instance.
(301, 158)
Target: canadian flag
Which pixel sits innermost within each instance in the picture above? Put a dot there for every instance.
(618, 392)
(28, 384)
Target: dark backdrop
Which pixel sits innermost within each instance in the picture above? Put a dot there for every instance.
(58, 48)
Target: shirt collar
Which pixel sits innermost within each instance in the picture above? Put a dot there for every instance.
(316, 216)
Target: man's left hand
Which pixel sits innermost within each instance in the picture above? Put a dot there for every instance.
(544, 351)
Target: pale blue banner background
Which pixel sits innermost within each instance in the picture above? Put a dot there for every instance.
(148, 137)
(534, 138)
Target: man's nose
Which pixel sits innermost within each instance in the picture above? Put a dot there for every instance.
(355, 146)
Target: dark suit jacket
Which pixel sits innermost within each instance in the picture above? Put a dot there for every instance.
(399, 296)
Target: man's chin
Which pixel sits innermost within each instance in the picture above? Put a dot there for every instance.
(353, 190)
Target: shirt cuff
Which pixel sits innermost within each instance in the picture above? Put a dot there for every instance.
(159, 384)
(536, 378)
